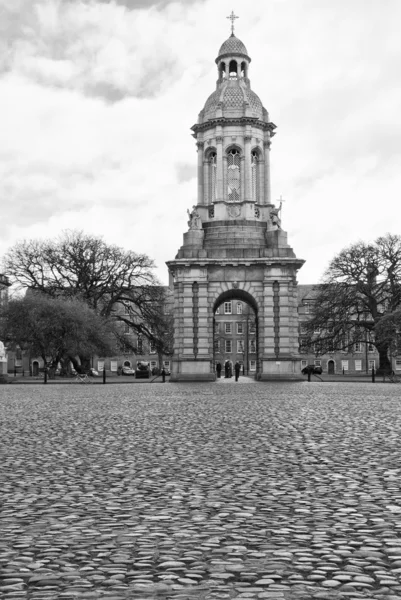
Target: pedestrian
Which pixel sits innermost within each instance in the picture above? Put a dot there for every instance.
(163, 374)
(230, 369)
(218, 370)
(237, 369)
(226, 369)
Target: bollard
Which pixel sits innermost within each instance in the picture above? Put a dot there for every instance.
(104, 375)
(373, 374)
(45, 376)
(309, 374)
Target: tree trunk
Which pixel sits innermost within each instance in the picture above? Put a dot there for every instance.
(85, 364)
(384, 361)
(75, 364)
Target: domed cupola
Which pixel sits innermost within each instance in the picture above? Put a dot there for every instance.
(232, 46)
(233, 97)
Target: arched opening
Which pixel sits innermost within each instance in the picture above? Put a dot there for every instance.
(331, 367)
(255, 174)
(211, 166)
(233, 69)
(235, 334)
(244, 69)
(35, 368)
(127, 363)
(222, 70)
(233, 175)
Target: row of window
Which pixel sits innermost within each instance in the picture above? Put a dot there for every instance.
(317, 348)
(240, 327)
(227, 308)
(228, 346)
(346, 365)
(125, 349)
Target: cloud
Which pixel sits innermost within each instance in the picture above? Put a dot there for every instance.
(97, 100)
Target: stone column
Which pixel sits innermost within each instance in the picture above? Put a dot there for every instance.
(242, 174)
(224, 177)
(206, 185)
(267, 192)
(248, 169)
(201, 195)
(220, 176)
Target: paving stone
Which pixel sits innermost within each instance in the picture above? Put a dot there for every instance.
(273, 491)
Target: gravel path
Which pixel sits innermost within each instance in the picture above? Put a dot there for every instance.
(184, 491)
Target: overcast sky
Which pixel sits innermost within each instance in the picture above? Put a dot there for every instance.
(97, 98)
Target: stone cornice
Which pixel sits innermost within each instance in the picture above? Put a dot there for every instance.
(235, 262)
(235, 121)
(232, 54)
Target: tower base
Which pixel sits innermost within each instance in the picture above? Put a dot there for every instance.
(280, 369)
(192, 370)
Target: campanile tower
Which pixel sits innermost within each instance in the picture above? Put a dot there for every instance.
(235, 247)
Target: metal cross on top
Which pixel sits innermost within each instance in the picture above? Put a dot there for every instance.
(232, 18)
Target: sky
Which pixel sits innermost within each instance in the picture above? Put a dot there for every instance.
(97, 98)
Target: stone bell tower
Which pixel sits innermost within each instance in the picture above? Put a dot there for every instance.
(235, 247)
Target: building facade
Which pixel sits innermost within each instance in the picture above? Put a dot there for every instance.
(235, 249)
(361, 358)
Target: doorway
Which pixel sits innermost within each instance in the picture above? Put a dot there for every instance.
(235, 334)
(331, 367)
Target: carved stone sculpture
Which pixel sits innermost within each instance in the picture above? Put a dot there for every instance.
(195, 221)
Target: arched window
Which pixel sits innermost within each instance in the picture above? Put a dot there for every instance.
(222, 70)
(212, 165)
(255, 170)
(234, 175)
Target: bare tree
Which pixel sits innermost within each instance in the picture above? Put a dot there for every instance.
(360, 287)
(112, 281)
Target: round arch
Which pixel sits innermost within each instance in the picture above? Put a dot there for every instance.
(230, 147)
(232, 344)
(209, 151)
(236, 294)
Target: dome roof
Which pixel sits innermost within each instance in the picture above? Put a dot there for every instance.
(233, 46)
(232, 95)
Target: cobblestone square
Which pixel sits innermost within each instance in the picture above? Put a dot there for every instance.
(200, 491)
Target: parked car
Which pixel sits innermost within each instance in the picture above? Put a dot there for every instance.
(142, 370)
(127, 371)
(93, 373)
(312, 369)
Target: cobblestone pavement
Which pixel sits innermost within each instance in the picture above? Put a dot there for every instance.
(279, 491)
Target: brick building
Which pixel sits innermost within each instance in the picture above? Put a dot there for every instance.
(361, 359)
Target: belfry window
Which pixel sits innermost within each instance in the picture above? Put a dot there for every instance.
(233, 69)
(212, 176)
(234, 175)
(255, 171)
